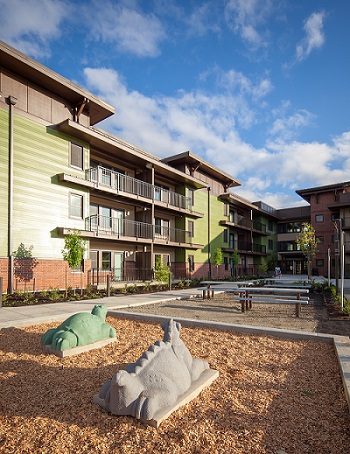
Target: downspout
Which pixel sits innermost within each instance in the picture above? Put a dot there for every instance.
(11, 101)
(209, 220)
(152, 216)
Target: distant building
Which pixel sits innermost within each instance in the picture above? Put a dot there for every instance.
(330, 217)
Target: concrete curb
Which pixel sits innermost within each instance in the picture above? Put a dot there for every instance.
(341, 343)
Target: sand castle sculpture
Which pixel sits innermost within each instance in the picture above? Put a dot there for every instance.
(156, 380)
(80, 329)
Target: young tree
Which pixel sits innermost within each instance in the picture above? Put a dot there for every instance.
(308, 244)
(74, 248)
(218, 258)
(235, 259)
(24, 262)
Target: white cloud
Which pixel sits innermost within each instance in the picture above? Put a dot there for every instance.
(202, 20)
(245, 16)
(128, 29)
(189, 120)
(29, 25)
(314, 38)
(286, 127)
(207, 125)
(236, 80)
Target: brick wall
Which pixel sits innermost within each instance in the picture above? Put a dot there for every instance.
(39, 275)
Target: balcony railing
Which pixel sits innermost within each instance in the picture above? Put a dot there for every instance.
(249, 224)
(251, 247)
(130, 185)
(259, 226)
(135, 229)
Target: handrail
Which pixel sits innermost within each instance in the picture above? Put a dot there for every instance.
(124, 183)
(135, 229)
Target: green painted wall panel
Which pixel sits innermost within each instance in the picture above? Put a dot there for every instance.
(3, 181)
(40, 203)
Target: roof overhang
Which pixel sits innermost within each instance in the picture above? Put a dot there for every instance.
(101, 140)
(307, 193)
(19, 64)
(196, 162)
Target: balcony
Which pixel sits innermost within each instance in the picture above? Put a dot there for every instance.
(123, 184)
(127, 230)
(246, 224)
(251, 247)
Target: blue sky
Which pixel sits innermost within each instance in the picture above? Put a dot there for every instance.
(259, 88)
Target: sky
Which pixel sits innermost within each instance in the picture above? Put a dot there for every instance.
(258, 88)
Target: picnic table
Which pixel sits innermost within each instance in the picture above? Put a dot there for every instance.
(262, 295)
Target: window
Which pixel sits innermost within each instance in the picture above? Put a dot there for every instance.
(77, 156)
(226, 263)
(319, 262)
(270, 244)
(161, 227)
(190, 197)
(191, 229)
(225, 236)
(320, 239)
(161, 260)
(319, 217)
(231, 241)
(94, 259)
(270, 227)
(191, 262)
(106, 260)
(76, 206)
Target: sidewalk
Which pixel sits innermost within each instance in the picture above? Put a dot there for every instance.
(45, 313)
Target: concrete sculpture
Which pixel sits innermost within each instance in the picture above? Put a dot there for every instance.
(80, 329)
(155, 381)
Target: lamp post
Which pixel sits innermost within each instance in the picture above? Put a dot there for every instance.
(339, 258)
(336, 253)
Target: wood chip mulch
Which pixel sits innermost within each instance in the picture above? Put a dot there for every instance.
(272, 396)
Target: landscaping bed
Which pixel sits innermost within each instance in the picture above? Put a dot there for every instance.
(272, 396)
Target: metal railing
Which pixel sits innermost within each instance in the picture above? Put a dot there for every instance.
(251, 247)
(135, 229)
(249, 224)
(99, 276)
(123, 183)
(259, 226)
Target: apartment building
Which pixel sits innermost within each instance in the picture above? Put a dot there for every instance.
(330, 217)
(60, 172)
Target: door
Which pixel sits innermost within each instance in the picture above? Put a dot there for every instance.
(118, 216)
(118, 266)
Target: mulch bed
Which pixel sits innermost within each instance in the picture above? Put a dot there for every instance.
(272, 396)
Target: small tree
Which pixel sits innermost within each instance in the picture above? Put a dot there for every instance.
(161, 272)
(307, 241)
(218, 258)
(24, 262)
(74, 248)
(22, 252)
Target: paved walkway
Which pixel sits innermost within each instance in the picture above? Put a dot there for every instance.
(43, 313)
(35, 314)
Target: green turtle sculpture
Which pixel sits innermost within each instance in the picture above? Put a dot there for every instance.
(80, 329)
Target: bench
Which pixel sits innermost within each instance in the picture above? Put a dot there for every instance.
(208, 292)
(247, 302)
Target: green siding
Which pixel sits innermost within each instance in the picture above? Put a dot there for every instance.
(40, 203)
(201, 225)
(4, 136)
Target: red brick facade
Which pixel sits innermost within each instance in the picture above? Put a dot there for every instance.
(39, 275)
